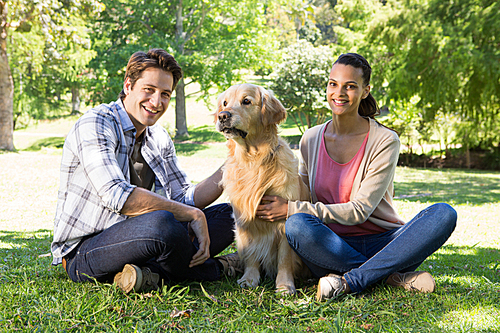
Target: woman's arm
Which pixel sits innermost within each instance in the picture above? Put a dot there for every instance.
(378, 175)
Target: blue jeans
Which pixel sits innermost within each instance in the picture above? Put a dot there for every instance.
(364, 260)
(155, 240)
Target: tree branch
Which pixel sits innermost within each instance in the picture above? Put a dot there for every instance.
(146, 25)
(296, 122)
(29, 15)
(187, 36)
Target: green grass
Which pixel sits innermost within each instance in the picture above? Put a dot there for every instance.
(38, 297)
(212, 147)
(35, 296)
(457, 187)
(206, 133)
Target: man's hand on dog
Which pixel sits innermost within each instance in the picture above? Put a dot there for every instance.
(272, 208)
(198, 228)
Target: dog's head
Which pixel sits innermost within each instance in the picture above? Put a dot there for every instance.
(247, 110)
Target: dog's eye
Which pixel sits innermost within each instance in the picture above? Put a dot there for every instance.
(246, 101)
(225, 103)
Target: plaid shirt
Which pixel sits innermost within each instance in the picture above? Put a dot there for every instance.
(95, 177)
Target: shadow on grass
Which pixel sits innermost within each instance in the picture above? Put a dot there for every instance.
(467, 278)
(202, 134)
(49, 142)
(24, 238)
(471, 261)
(293, 140)
(449, 185)
(466, 261)
(188, 149)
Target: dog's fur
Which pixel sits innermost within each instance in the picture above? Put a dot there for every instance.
(259, 163)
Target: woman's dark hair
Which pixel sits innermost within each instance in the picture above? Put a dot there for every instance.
(368, 106)
(154, 58)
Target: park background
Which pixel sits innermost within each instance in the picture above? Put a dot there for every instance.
(436, 75)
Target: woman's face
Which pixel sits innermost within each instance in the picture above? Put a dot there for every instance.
(346, 89)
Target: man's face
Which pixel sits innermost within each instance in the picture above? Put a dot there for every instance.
(148, 100)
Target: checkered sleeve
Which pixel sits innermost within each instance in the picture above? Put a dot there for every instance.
(98, 149)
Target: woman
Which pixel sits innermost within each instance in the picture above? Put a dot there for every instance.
(350, 235)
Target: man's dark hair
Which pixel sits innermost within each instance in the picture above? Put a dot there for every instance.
(155, 58)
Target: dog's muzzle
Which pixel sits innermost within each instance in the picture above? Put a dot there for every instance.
(225, 125)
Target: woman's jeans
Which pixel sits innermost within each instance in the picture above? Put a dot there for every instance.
(364, 260)
(155, 240)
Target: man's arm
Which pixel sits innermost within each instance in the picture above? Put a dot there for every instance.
(142, 201)
(208, 190)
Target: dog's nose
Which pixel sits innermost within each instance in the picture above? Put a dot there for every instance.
(224, 115)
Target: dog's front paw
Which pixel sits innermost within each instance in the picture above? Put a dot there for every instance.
(249, 280)
(286, 289)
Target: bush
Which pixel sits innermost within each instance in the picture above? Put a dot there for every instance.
(300, 82)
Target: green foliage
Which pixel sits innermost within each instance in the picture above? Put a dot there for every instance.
(299, 81)
(326, 20)
(446, 52)
(48, 53)
(492, 160)
(404, 118)
(309, 32)
(356, 15)
(217, 40)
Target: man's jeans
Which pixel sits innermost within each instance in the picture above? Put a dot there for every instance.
(371, 258)
(155, 240)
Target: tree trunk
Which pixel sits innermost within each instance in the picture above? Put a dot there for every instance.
(180, 95)
(180, 110)
(75, 100)
(467, 156)
(6, 87)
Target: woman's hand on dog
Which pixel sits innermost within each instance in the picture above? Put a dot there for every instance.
(272, 208)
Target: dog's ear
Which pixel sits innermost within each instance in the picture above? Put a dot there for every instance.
(272, 111)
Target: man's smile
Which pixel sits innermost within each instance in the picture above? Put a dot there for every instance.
(153, 111)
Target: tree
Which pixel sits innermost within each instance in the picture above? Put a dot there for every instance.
(302, 13)
(51, 18)
(212, 41)
(326, 19)
(48, 68)
(446, 52)
(404, 118)
(300, 82)
(6, 84)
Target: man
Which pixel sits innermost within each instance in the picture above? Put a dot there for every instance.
(125, 210)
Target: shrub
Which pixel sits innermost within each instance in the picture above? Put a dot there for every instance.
(300, 82)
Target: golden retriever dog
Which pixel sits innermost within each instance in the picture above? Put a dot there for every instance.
(259, 163)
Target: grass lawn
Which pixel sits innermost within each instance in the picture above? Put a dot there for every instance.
(34, 296)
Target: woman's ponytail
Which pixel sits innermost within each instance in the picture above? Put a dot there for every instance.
(369, 107)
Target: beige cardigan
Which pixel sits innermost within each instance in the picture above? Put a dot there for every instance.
(372, 190)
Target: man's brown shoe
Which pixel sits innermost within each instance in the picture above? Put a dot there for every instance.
(418, 281)
(231, 264)
(134, 278)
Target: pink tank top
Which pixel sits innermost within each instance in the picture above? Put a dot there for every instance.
(333, 185)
